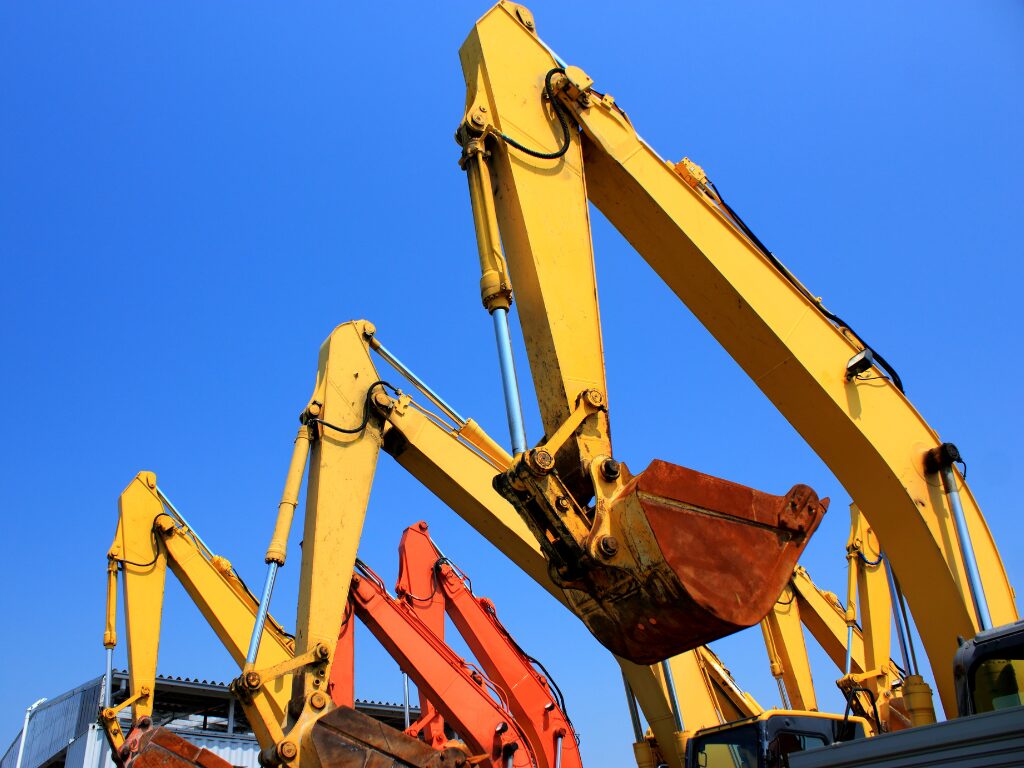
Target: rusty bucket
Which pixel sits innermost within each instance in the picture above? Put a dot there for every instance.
(345, 738)
(699, 558)
(149, 746)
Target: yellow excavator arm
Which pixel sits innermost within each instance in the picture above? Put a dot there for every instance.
(627, 552)
(456, 460)
(151, 536)
(530, 207)
(631, 562)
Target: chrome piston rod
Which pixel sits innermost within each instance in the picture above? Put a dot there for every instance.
(902, 631)
(261, 615)
(513, 406)
(634, 714)
(966, 548)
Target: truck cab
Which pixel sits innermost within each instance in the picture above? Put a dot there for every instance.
(766, 741)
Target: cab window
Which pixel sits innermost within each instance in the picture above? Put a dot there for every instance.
(733, 748)
(995, 684)
(786, 743)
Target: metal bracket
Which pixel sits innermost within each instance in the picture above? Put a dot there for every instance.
(541, 459)
(606, 475)
(248, 683)
(108, 718)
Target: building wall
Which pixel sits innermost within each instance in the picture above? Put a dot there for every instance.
(91, 750)
(64, 731)
(55, 725)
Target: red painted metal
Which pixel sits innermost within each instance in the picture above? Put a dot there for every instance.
(156, 747)
(341, 686)
(720, 555)
(529, 694)
(459, 693)
(417, 587)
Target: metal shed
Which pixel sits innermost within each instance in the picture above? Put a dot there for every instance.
(63, 732)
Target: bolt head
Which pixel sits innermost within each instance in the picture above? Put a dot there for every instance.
(287, 750)
(318, 700)
(252, 680)
(477, 120)
(562, 503)
(595, 398)
(611, 469)
(541, 461)
(608, 546)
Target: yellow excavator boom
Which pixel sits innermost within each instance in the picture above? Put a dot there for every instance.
(151, 536)
(456, 460)
(805, 359)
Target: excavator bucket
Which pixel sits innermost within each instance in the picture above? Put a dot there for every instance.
(156, 747)
(344, 738)
(709, 557)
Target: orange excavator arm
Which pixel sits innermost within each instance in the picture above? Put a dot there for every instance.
(459, 692)
(417, 587)
(534, 703)
(457, 461)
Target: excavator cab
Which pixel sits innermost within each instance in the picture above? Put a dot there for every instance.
(768, 740)
(988, 670)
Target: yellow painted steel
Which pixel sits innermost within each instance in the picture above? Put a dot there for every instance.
(278, 548)
(110, 630)
(868, 568)
(825, 618)
(458, 465)
(341, 470)
(707, 692)
(787, 651)
(148, 541)
(543, 244)
(865, 430)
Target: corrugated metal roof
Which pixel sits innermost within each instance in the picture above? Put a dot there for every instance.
(122, 674)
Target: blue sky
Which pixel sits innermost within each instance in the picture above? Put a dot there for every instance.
(194, 194)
